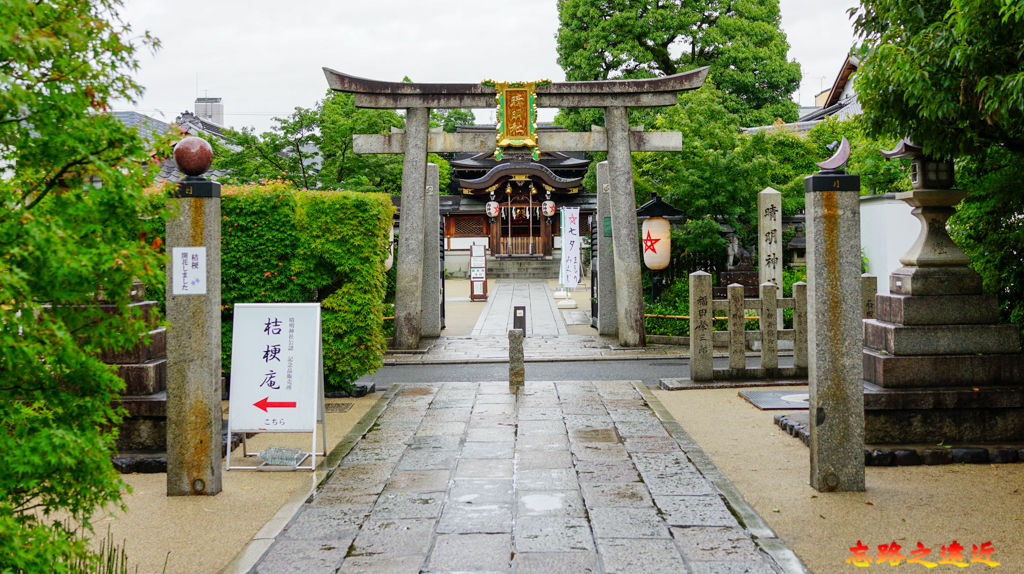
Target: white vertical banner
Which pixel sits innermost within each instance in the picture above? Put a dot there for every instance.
(569, 272)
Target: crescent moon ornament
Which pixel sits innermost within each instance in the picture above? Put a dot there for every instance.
(839, 159)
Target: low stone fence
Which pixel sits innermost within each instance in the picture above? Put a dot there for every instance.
(705, 310)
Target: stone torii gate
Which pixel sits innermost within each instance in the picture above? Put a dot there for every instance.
(617, 138)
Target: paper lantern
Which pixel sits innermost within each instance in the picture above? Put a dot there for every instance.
(656, 234)
(491, 209)
(391, 249)
(547, 208)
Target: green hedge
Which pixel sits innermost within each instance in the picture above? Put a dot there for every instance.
(279, 245)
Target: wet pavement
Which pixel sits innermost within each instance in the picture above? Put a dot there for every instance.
(542, 316)
(560, 477)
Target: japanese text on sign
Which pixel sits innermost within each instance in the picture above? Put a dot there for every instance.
(275, 367)
(188, 266)
(569, 273)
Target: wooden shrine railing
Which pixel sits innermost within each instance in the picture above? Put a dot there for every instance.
(521, 246)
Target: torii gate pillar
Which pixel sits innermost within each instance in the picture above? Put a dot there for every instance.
(409, 274)
(625, 248)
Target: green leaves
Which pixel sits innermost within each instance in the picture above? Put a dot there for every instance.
(948, 74)
(281, 245)
(72, 212)
(740, 40)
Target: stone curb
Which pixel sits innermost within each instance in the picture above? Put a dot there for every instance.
(631, 356)
(254, 550)
(762, 534)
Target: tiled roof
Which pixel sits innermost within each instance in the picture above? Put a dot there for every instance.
(147, 126)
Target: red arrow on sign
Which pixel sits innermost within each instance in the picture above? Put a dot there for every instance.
(265, 404)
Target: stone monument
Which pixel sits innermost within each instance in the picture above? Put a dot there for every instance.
(937, 365)
(194, 446)
(834, 326)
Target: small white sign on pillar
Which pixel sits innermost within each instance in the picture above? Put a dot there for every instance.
(189, 264)
(277, 375)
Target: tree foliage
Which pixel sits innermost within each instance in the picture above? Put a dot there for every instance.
(740, 39)
(947, 73)
(312, 148)
(71, 199)
(720, 170)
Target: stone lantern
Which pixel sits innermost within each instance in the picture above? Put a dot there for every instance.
(933, 259)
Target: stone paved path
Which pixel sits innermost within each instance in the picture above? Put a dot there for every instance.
(563, 477)
(542, 314)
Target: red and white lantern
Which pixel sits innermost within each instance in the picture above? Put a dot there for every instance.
(491, 209)
(656, 234)
(547, 208)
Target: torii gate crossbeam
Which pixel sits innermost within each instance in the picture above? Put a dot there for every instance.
(615, 96)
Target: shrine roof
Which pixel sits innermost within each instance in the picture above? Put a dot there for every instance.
(529, 169)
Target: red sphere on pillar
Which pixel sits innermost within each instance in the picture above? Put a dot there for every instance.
(193, 155)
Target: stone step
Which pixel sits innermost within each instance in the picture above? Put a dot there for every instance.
(962, 414)
(937, 310)
(940, 339)
(145, 426)
(140, 353)
(924, 371)
(144, 378)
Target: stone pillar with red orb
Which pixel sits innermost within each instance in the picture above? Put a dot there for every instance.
(194, 443)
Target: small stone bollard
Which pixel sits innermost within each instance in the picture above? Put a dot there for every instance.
(516, 370)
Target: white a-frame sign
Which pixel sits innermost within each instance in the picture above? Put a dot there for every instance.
(277, 376)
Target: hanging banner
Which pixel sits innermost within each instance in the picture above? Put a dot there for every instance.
(569, 273)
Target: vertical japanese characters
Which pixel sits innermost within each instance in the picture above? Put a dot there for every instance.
(569, 273)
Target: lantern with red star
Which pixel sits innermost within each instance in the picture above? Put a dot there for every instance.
(656, 234)
(491, 209)
(547, 208)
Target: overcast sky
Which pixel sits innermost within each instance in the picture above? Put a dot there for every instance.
(264, 58)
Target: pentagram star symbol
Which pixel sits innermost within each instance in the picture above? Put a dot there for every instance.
(649, 243)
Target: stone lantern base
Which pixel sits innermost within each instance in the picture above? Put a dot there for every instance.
(938, 367)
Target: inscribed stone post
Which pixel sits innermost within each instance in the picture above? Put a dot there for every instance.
(769, 231)
(409, 275)
(869, 288)
(607, 322)
(431, 318)
(800, 324)
(516, 366)
(194, 444)
(769, 243)
(625, 234)
(834, 332)
(737, 328)
(701, 343)
(769, 333)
